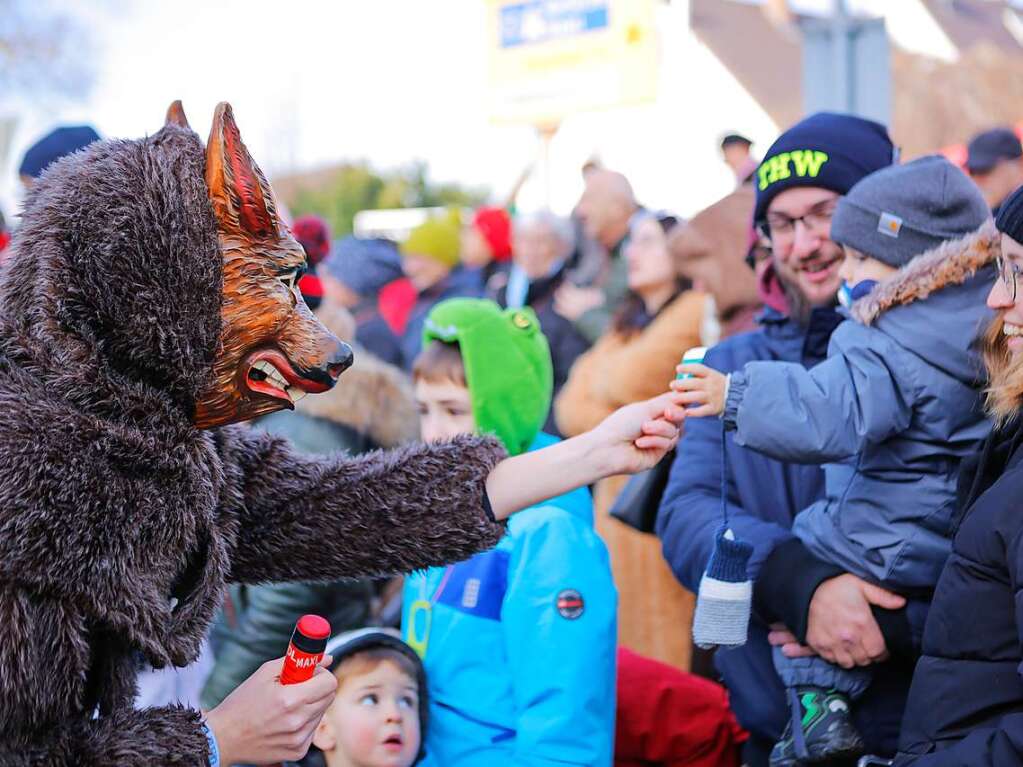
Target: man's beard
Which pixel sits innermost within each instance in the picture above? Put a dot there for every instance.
(800, 307)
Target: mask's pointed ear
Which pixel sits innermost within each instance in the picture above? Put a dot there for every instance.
(239, 192)
(176, 115)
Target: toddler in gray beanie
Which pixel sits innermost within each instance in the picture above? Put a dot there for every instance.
(889, 415)
(897, 213)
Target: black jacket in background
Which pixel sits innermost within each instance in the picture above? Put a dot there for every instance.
(966, 703)
(565, 341)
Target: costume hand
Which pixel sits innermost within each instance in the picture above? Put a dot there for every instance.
(840, 626)
(705, 389)
(263, 721)
(572, 302)
(637, 436)
(780, 636)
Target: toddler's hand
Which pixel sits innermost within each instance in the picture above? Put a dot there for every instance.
(705, 388)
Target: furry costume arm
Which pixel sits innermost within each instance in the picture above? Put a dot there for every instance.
(307, 518)
(45, 674)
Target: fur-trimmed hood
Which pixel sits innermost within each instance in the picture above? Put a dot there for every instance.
(935, 305)
(372, 397)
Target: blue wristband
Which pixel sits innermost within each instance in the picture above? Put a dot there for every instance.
(214, 748)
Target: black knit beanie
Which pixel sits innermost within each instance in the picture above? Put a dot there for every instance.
(1010, 216)
(827, 150)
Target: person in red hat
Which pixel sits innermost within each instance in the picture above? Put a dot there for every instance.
(486, 247)
(313, 235)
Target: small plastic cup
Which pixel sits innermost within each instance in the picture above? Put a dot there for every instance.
(692, 357)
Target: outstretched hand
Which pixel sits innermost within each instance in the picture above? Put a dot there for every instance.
(631, 439)
(635, 437)
(703, 387)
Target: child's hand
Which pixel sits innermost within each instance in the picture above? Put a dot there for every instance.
(705, 389)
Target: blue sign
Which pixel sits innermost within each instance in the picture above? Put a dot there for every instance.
(539, 21)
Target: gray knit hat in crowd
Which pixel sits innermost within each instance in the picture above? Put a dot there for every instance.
(902, 211)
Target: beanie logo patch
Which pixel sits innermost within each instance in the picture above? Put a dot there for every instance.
(570, 604)
(889, 225)
(802, 163)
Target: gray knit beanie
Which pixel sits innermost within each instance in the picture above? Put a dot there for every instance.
(902, 211)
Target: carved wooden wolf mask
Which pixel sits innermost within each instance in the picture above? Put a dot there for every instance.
(272, 350)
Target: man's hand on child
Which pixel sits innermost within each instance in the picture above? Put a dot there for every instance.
(840, 625)
(703, 391)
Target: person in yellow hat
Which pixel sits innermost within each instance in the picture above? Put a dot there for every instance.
(430, 259)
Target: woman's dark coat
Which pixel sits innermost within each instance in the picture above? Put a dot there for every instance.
(966, 702)
(120, 522)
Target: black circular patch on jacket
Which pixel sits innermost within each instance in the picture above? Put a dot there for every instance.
(570, 604)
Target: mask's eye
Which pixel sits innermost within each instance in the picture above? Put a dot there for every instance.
(291, 278)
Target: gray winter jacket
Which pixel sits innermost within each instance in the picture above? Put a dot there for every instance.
(892, 411)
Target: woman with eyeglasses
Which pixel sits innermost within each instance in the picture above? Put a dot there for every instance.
(966, 702)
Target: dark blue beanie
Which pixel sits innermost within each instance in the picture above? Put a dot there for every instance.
(1010, 216)
(827, 150)
(365, 266)
(54, 145)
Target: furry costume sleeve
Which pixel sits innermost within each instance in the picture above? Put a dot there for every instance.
(43, 685)
(305, 518)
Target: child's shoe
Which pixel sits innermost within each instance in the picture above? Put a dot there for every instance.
(826, 732)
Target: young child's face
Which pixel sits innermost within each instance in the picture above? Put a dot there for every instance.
(858, 267)
(445, 410)
(373, 721)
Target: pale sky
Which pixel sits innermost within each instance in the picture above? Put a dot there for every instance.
(311, 82)
(315, 82)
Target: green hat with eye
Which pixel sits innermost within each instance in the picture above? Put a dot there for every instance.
(507, 362)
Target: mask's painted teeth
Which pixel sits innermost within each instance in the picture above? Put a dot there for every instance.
(272, 373)
(1011, 330)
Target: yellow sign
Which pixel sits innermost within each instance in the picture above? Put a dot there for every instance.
(553, 58)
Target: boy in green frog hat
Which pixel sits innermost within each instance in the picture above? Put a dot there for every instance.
(518, 642)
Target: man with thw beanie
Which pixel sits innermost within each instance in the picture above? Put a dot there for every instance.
(798, 184)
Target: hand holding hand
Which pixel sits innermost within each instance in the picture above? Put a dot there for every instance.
(840, 626)
(635, 437)
(705, 388)
(263, 721)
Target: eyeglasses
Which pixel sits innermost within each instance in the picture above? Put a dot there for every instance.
(780, 226)
(1009, 272)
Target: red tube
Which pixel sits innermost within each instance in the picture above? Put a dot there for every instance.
(308, 641)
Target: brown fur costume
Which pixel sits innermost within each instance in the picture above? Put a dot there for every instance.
(120, 521)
